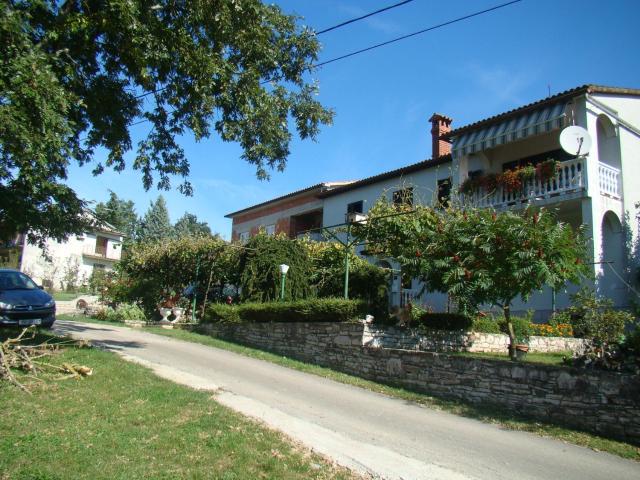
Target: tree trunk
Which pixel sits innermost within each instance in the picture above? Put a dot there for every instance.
(512, 335)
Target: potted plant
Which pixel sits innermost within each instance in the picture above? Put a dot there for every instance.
(166, 305)
(178, 310)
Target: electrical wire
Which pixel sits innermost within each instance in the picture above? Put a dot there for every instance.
(419, 32)
(353, 20)
(372, 47)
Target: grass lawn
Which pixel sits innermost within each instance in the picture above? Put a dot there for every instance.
(544, 358)
(126, 423)
(64, 296)
(493, 415)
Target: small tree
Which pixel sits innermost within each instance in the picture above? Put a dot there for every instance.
(480, 256)
(119, 213)
(259, 272)
(366, 281)
(189, 226)
(155, 224)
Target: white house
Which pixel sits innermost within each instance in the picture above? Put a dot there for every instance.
(598, 189)
(74, 260)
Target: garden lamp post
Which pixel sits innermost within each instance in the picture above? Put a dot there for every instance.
(283, 275)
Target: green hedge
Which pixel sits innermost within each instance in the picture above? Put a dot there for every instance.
(314, 310)
(485, 325)
(445, 321)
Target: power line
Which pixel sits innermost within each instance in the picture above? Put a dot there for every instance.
(429, 29)
(372, 47)
(353, 20)
(334, 27)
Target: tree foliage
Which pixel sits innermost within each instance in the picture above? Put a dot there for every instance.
(151, 271)
(367, 282)
(76, 75)
(260, 277)
(189, 226)
(155, 225)
(477, 255)
(119, 213)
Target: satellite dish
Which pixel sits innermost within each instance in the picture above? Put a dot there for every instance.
(575, 140)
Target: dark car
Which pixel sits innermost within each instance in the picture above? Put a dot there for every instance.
(24, 303)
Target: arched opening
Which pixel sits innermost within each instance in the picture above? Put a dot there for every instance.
(608, 144)
(611, 283)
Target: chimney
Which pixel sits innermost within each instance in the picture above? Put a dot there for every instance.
(440, 125)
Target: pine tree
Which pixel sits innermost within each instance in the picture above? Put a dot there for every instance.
(189, 226)
(119, 213)
(156, 224)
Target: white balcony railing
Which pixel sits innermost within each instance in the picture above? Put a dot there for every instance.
(108, 253)
(609, 178)
(570, 177)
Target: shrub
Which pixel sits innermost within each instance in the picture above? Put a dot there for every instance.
(315, 310)
(632, 341)
(120, 314)
(260, 280)
(445, 321)
(521, 327)
(593, 317)
(366, 281)
(485, 325)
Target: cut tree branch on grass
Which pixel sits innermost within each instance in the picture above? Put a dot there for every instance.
(16, 356)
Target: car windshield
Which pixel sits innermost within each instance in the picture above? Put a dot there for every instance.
(16, 281)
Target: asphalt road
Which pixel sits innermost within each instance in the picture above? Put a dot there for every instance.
(365, 431)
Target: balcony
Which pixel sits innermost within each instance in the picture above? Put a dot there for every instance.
(570, 181)
(91, 251)
(609, 178)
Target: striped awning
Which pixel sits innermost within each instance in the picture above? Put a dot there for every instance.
(531, 123)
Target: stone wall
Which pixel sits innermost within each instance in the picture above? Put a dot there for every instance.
(404, 339)
(603, 402)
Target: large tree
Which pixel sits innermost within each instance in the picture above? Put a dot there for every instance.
(119, 213)
(75, 76)
(155, 225)
(479, 256)
(189, 226)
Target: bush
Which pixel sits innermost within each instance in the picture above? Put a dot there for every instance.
(315, 310)
(594, 318)
(485, 325)
(120, 314)
(445, 321)
(521, 327)
(260, 279)
(632, 341)
(366, 281)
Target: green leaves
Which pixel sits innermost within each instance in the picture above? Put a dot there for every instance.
(75, 75)
(478, 255)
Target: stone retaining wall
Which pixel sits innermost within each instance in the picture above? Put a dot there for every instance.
(404, 339)
(597, 401)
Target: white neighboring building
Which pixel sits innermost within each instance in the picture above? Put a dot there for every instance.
(76, 258)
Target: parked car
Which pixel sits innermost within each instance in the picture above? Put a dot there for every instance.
(23, 302)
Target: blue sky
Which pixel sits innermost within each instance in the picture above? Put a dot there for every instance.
(383, 98)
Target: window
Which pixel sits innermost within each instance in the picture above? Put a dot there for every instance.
(355, 207)
(444, 192)
(243, 236)
(403, 197)
(101, 246)
(270, 230)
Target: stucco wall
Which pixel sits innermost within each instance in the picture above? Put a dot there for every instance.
(68, 256)
(603, 402)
